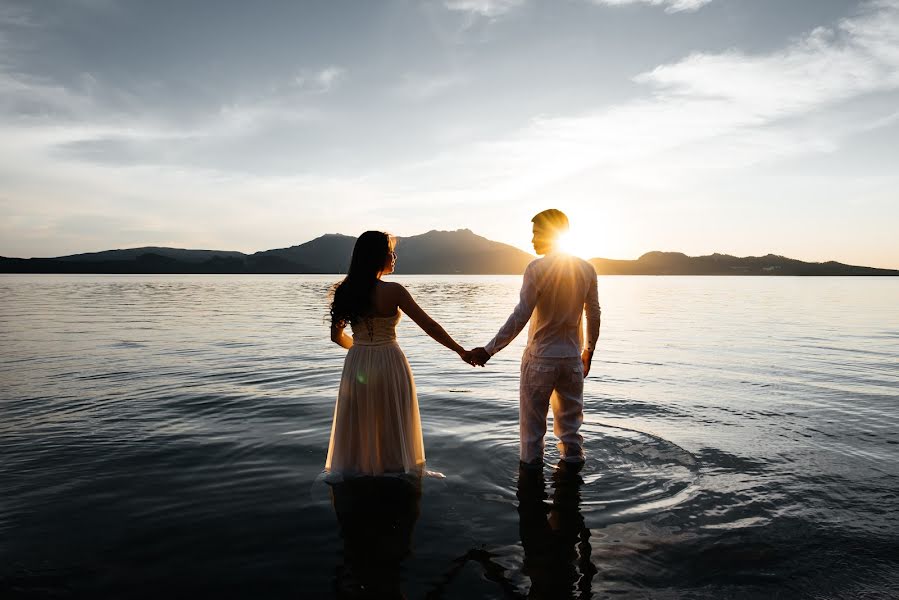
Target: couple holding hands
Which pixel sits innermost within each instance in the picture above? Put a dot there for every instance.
(377, 426)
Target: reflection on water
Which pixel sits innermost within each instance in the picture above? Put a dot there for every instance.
(376, 516)
(555, 538)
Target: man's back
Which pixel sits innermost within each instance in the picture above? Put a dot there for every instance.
(564, 284)
(555, 291)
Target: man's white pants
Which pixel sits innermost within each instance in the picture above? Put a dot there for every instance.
(559, 381)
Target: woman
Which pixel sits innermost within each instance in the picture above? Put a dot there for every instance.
(376, 428)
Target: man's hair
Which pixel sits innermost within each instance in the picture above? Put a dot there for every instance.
(551, 218)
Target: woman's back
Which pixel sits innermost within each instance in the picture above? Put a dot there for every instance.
(376, 427)
(375, 330)
(385, 299)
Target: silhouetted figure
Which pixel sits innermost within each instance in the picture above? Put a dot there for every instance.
(377, 426)
(556, 292)
(377, 516)
(555, 539)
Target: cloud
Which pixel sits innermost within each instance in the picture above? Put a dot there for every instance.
(134, 205)
(732, 107)
(483, 8)
(328, 77)
(827, 66)
(418, 88)
(703, 99)
(16, 16)
(282, 103)
(27, 97)
(93, 120)
(319, 81)
(671, 6)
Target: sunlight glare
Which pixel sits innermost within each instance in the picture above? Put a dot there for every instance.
(576, 243)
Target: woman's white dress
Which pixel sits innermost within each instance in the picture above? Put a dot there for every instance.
(377, 427)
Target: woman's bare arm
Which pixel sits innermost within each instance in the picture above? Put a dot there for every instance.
(340, 338)
(408, 305)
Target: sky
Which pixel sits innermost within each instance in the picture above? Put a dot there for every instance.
(745, 127)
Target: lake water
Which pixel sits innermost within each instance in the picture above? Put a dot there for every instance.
(163, 436)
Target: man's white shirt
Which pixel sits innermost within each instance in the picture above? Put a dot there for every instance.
(557, 291)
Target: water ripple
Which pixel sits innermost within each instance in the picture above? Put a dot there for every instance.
(742, 441)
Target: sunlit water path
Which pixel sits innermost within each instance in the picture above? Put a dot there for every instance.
(164, 434)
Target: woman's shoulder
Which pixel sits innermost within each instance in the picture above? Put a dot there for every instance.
(392, 288)
(390, 293)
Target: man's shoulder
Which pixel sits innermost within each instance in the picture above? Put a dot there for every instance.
(535, 264)
(567, 259)
(586, 264)
(559, 260)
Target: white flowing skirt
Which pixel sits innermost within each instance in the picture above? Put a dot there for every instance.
(377, 427)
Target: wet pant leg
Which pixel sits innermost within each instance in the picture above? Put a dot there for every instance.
(568, 409)
(535, 389)
(555, 381)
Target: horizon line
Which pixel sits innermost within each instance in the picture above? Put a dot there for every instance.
(250, 253)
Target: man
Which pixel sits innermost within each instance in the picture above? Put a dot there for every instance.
(554, 295)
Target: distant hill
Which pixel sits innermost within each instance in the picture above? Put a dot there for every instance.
(190, 256)
(434, 252)
(329, 253)
(677, 263)
(458, 251)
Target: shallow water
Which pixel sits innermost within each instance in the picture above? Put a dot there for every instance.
(164, 434)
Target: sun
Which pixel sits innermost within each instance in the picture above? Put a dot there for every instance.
(579, 244)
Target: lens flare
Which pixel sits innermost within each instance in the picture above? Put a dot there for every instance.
(571, 242)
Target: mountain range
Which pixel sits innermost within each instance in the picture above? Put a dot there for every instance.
(434, 252)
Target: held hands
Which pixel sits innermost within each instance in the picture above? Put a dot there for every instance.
(477, 357)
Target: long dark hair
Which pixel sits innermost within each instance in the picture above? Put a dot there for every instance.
(352, 297)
